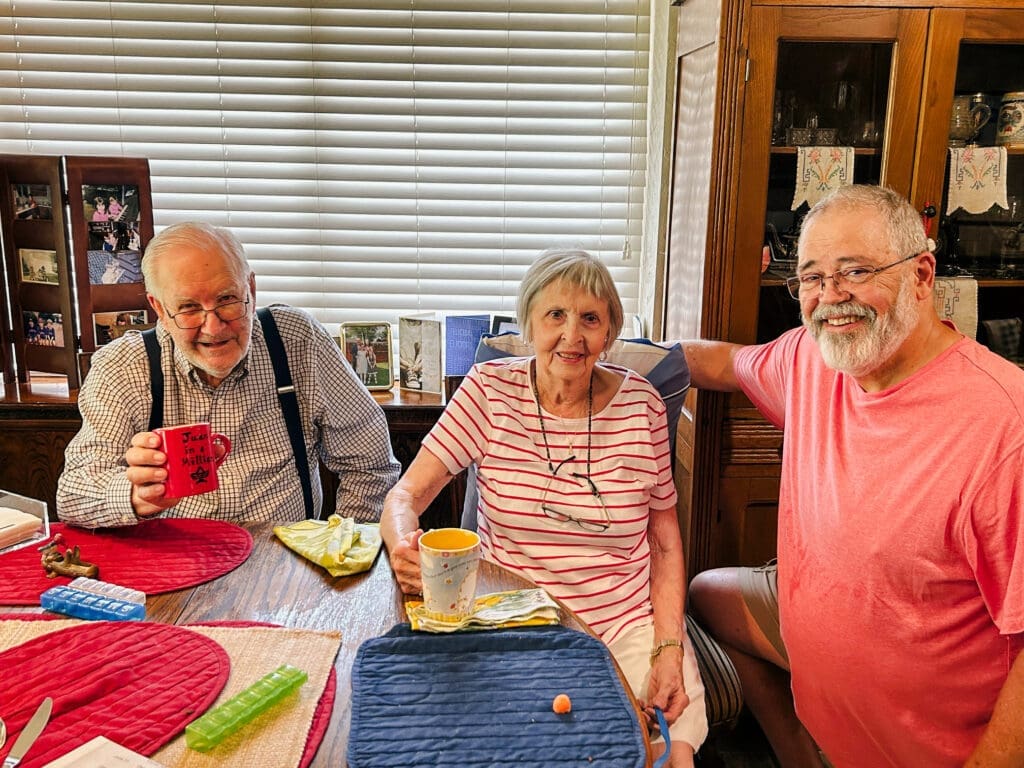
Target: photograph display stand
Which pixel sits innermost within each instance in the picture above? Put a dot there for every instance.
(42, 251)
(38, 267)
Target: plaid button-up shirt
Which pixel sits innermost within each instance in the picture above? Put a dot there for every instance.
(343, 426)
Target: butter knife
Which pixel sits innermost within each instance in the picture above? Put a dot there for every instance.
(29, 734)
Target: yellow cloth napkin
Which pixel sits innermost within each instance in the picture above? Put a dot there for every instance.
(339, 544)
(514, 608)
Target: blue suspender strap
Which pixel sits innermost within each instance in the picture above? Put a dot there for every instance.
(663, 728)
(289, 404)
(156, 378)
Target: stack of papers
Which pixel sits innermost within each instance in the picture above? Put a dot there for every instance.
(515, 608)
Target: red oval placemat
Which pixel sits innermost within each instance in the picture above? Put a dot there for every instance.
(137, 683)
(154, 556)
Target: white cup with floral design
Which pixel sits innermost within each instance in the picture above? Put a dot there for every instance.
(449, 559)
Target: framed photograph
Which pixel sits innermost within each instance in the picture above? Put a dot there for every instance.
(32, 201)
(367, 347)
(419, 354)
(113, 325)
(39, 266)
(503, 324)
(114, 267)
(43, 329)
(110, 203)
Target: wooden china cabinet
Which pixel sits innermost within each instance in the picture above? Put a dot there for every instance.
(879, 77)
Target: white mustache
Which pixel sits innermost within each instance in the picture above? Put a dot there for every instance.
(848, 308)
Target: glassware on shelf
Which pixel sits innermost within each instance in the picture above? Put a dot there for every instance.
(967, 120)
(868, 135)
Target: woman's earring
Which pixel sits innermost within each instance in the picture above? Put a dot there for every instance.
(603, 356)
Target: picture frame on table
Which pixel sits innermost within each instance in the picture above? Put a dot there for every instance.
(367, 348)
(504, 324)
(419, 354)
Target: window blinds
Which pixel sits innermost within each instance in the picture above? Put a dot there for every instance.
(376, 158)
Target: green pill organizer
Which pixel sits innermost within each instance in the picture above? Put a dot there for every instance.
(206, 732)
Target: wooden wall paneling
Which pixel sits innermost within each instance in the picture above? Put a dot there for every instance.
(32, 455)
(747, 527)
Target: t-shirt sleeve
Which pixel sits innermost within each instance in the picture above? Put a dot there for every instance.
(763, 373)
(462, 431)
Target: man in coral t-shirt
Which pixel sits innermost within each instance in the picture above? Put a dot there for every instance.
(900, 587)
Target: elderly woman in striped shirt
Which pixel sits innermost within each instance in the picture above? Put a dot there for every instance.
(576, 492)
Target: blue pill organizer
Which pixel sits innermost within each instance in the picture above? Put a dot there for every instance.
(88, 605)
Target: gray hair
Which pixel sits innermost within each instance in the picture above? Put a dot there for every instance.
(576, 268)
(904, 229)
(193, 234)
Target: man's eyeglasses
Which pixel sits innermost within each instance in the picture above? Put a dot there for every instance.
(591, 515)
(190, 319)
(812, 284)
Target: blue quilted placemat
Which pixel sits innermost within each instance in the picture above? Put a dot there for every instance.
(484, 698)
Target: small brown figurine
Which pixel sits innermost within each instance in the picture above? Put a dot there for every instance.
(67, 563)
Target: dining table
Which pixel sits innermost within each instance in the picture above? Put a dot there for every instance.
(275, 585)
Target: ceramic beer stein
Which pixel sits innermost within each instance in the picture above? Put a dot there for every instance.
(1010, 130)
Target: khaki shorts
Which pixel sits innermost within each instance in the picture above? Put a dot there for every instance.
(760, 590)
(632, 652)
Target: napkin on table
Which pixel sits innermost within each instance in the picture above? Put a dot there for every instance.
(514, 608)
(339, 544)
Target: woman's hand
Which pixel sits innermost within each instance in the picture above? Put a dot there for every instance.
(405, 562)
(666, 689)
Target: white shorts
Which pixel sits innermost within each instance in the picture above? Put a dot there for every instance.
(632, 652)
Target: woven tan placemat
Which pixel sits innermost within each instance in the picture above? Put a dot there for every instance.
(17, 631)
(274, 740)
(277, 738)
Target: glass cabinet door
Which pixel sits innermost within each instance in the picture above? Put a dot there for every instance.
(832, 93)
(971, 174)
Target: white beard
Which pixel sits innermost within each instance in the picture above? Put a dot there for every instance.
(860, 353)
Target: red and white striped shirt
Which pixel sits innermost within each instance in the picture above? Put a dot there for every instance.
(604, 577)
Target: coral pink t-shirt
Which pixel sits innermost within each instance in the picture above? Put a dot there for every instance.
(901, 547)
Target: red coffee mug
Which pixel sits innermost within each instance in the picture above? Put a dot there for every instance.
(191, 459)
